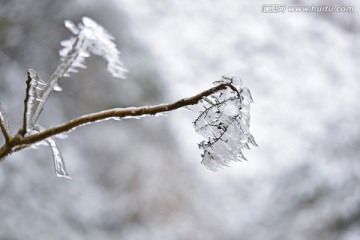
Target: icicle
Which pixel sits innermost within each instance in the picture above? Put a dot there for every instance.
(59, 163)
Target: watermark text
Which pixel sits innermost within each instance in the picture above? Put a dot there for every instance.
(282, 8)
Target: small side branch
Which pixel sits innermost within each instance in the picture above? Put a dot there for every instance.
(5, 132)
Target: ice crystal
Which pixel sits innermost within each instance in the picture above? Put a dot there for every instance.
(224, 122)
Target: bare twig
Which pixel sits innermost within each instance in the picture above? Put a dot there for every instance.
(5, 132)
(20, 142)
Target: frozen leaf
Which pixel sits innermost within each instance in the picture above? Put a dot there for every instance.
(224, 121)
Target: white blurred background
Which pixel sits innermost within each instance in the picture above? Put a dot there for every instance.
(142, 179)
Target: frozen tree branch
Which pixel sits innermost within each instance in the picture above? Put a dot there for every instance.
(19, 143)
(224, 120)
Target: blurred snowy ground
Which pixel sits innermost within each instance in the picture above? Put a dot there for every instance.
(143, 179)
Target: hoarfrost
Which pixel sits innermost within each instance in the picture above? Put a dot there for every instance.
(224, 122)
(91, 38)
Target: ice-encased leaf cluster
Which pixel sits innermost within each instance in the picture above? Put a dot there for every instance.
(90, 38)
(224, 122)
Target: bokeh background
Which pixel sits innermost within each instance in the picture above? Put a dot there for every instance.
(142, 179)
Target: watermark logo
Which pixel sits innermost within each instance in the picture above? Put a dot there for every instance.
(282, 8)
(273, 8)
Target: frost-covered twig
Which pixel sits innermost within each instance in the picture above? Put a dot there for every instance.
(89, 38)
(224, 119)
(118, 113)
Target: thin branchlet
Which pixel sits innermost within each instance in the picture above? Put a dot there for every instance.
(5, 132)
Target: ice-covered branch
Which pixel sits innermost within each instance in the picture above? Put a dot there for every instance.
(118, 113)
(223, 120)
